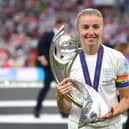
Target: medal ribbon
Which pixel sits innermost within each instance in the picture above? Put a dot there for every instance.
(97, 69)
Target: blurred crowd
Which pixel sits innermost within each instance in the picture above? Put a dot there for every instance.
(22, 22)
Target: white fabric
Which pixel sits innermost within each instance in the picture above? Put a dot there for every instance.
(92, 62)
(112, 66)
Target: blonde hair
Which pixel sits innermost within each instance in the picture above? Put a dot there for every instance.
(88, 11)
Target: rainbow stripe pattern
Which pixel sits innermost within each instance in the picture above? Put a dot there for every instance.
(122, 80)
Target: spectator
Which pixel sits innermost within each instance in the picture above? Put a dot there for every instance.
(43, 62)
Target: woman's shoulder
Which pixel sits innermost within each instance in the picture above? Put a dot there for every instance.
(112, 52)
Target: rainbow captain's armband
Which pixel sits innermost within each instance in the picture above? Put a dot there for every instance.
(122, 81)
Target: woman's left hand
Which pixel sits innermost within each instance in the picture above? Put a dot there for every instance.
(108, 115)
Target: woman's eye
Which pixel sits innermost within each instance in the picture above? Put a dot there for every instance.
(85, 27)
(96, 26)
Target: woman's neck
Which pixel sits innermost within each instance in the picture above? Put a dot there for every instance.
(91, 49)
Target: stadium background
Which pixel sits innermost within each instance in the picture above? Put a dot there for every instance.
(21, 24)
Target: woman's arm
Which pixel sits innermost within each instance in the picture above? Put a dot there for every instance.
(121, 107)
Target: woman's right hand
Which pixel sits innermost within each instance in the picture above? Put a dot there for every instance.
(63, 87)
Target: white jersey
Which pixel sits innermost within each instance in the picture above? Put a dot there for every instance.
(114, 74)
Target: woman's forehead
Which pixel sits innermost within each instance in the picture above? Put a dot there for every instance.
(90, 19)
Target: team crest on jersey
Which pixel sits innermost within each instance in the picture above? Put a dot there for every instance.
(108, 73)
(107, 77)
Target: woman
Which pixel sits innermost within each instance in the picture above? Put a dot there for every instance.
(100, 67)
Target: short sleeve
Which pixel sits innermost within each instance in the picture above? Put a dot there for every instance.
(122, 79)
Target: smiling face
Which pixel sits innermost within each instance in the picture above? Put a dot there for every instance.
(90, 27)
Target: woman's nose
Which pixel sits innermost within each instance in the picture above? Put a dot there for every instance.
(90, 31)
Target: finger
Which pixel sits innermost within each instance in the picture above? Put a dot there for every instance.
(65, 88)
(64, 84)
(106, 116)
(65, 80)
(99, 119)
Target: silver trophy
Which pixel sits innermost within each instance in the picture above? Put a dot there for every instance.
(63, 51)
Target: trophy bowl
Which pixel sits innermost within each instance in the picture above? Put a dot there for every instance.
(63, 50)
